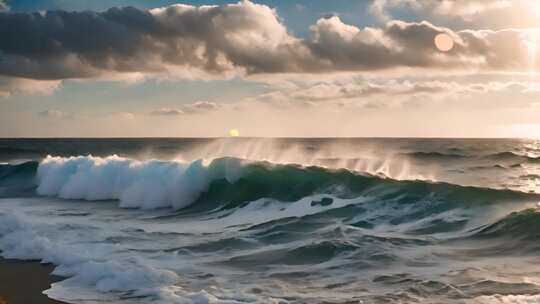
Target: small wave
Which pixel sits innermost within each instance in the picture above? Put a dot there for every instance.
(10, 170)
(522, 225)
(486, 167)
(512, 156)
(303, 255)
(435, 155)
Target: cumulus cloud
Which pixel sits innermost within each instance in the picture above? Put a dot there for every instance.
(410, 44)
(215, 39)
(198, 107)
(234, 39)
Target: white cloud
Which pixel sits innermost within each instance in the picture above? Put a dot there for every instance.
(167, 112)
(198, 107)
(396, 93)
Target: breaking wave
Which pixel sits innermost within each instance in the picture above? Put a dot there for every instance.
(200, 219)
(222, 183)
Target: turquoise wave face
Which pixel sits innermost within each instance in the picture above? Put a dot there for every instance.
(18, 180)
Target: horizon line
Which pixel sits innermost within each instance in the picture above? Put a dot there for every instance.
(265, 137)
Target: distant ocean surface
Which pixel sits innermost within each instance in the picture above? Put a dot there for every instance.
(247, 220)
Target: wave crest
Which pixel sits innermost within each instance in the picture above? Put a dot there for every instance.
(224, 183)
(136, 184)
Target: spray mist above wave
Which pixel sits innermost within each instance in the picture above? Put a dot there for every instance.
(369, 158)
(155, 184)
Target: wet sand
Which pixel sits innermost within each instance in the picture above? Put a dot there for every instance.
(23, 282)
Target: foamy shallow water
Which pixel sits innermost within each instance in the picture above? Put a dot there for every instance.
(113, 255)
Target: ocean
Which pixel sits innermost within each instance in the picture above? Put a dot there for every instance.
(252, 220)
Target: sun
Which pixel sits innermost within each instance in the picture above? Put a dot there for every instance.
(443, 42)
(234, 133)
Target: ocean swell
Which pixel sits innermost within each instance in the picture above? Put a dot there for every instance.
(223, 183)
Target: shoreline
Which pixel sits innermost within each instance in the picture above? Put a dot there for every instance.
(23, 282)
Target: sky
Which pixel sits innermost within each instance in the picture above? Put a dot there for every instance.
(273, 68)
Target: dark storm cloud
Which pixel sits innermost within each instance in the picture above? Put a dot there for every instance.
(58, 44)
(237, 38)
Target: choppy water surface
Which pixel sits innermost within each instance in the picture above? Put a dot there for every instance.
(276, 220)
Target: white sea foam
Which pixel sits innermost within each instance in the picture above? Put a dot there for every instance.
(95, 272)
(136, 184)
(506, 299)
(85, 265)
(101, 271)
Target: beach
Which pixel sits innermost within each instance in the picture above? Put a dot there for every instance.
(23, 282)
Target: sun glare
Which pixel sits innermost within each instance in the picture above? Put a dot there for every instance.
(531, 131)
(234, 133)
(535, 7)
(532, 44)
